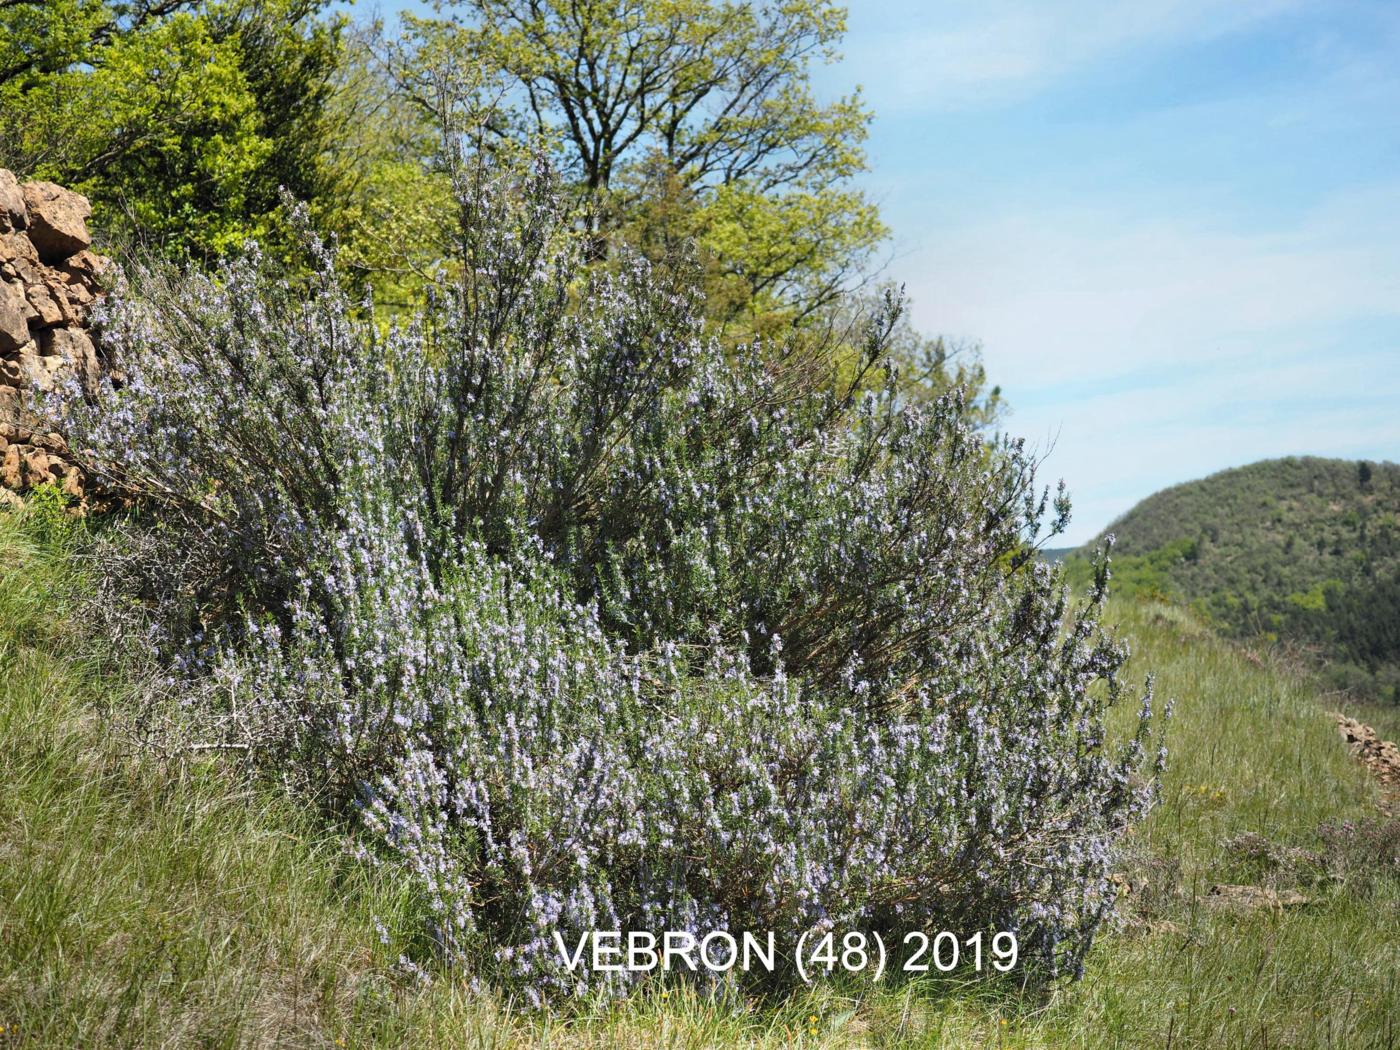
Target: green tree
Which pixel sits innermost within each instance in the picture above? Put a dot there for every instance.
(700, 110)
(40, 38)
(182, 121)
(393, 209)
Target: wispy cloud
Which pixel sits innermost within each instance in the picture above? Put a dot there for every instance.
(1095, 291)
(960, 54)
(1147, 351)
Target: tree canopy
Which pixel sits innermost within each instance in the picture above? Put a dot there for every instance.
(689, 130)
(1300, 551)
(691, 109)
(181, 120)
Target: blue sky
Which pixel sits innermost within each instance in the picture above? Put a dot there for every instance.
(1173, 225)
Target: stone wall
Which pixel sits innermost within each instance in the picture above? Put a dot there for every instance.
(49, 280)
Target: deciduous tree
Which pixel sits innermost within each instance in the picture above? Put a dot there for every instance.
(181, 120)
(697, 109)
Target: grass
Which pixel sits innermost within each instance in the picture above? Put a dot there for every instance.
(1253, 751)
(148, 903)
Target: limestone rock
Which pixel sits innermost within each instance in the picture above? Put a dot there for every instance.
(10, 411)
(14, 317)
(34, 372)
(86, 267)
(29, 369)
(1381, 757)
(47, 309)
(57, 220)
(76, 296)
(13, 214)
(37, 466)
(49, 280)
(18, 259)
(51, 442)
(75, 349)
(11, 475)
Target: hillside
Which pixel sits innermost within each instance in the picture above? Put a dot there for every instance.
(1301, 550)
(166, 903)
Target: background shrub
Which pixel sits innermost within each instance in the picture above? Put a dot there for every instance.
(593, 625)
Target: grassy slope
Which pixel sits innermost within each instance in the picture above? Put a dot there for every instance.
(1252, 752)
(149, 904)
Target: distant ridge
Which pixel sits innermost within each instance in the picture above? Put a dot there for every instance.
(1303, 549)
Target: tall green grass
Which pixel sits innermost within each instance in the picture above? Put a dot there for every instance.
(1252, 751)
(146, 903)
(160, 903)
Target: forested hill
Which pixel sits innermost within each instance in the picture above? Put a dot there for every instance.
(1306, 550)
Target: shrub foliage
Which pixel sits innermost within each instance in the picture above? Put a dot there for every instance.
(590, 624)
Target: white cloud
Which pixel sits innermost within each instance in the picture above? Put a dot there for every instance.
(1107, 292)
(1161, 300)
(1151, 352)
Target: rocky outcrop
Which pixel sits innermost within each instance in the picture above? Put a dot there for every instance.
(57, 220)
(1381, 757)
(49, 280)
